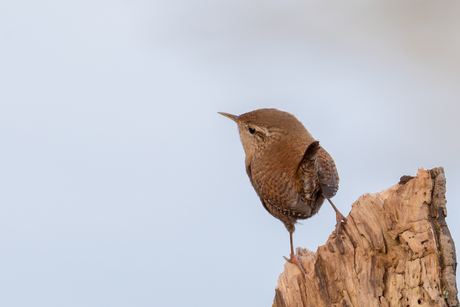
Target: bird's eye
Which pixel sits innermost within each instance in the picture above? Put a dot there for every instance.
(252, 130)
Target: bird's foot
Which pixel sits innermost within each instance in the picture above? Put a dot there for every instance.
(340, 220)
(339, 217)
(295, 260)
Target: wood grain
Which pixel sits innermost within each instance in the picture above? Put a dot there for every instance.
(396, 250)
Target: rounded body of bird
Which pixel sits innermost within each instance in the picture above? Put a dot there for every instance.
(282, 164)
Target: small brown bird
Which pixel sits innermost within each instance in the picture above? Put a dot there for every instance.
(290, 171)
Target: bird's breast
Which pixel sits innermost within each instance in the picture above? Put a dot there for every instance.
(274, 184)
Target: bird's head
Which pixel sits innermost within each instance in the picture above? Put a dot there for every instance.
(261, 128)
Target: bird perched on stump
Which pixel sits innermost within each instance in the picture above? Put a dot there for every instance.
(291, 173)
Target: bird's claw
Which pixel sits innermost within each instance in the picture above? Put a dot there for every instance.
(295, 260)
(340, 220)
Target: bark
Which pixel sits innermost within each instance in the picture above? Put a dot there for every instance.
(396, 250)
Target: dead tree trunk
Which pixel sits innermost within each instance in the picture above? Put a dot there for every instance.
(396, 250)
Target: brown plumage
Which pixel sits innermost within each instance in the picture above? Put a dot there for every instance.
(290, 171)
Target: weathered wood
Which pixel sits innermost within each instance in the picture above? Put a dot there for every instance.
(396, 250)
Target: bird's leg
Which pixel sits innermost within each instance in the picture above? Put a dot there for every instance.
(339, 217)
(294, 258)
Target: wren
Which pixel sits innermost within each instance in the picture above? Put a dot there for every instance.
(290, 172)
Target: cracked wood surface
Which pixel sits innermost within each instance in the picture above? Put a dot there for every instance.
(396, 250)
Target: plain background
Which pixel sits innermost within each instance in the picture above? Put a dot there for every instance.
(120, 185)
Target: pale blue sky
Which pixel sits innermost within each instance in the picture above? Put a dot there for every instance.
(120, 185)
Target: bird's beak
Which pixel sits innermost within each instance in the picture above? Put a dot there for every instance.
(232, 117)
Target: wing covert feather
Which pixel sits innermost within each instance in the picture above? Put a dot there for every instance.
(328, 175)
(317, 166)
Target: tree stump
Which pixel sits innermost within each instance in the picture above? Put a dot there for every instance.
(396, 250)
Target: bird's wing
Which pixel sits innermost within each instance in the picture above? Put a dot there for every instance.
(307, 173)
(317, 166)
(328, 175)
